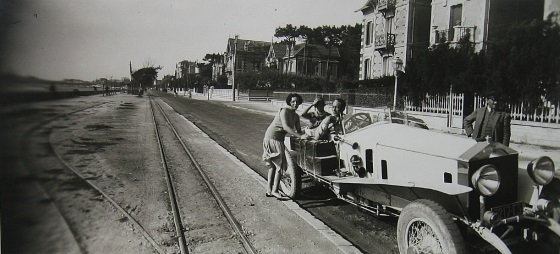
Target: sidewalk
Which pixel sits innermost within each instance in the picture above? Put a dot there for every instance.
(527, 152)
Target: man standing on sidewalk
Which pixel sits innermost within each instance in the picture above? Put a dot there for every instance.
(491, 122)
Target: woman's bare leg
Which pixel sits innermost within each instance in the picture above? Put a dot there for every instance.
(276, 184)
(270, 180)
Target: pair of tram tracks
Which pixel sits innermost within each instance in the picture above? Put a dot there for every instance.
(23, 163)
(171, 189)
(41, 126)
(237, 228)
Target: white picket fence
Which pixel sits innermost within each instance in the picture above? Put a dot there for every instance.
(439, 104)
(450, 105)
(547, 112)
(453, 105)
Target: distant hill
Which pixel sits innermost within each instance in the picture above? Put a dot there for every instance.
(11, 83)
(13, 78)
(7, 78)
(20, 89)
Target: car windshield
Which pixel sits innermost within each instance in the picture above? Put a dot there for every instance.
(360, 120)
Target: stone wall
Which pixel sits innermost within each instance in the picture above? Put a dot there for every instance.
(545, 134)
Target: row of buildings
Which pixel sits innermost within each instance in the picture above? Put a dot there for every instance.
(392, 29)
(250, 55)
(396, 29)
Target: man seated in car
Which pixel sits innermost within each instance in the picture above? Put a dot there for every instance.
(316, 117)
(331, 124)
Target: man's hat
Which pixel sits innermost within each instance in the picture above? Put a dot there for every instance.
(494, 95)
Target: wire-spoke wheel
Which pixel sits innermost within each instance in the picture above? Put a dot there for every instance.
(422, 238)
(425, 227)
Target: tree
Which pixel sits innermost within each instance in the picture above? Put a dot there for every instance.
(206, 70)
(526, 63)
(289, 33)
(331, 36)
(213, 58)
(435, 70)
(169, 82)
(523, 65)
(146, 76)
(350, 44)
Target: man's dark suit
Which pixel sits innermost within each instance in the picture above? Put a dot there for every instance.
(501, 125)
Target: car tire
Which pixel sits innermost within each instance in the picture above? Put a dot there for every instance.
(425, 227)
(290, 180)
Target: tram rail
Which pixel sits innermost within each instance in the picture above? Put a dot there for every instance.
(180, 231)
(236, 226)
(121, 209)
(35, 129)
(116, 176)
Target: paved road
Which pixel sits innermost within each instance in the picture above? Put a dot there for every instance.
(47, 209)
(240, 131)
(242, 135)
(366, 232)
(239, 127)
(527, 152)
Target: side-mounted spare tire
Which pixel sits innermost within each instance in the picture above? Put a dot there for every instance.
(290, 180)
(425, 227)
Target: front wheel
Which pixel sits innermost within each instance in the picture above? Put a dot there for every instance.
(425, 227)
(290, 180)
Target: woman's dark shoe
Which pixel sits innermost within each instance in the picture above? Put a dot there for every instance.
(268, 195)
(278, 196)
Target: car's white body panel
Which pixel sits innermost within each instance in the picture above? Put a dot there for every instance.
(383, 164)
(414, 157)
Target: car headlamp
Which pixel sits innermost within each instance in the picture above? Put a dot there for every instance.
(486, 180)
(541, 170)
(355, 160)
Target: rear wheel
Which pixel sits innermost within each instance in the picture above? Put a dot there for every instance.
(425, 227)
(290, 180)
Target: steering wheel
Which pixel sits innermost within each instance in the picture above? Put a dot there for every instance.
(357, 121)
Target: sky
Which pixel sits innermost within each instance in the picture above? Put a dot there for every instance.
(91, 39)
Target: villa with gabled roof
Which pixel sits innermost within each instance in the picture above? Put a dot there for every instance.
(245, 55)
(304, 59)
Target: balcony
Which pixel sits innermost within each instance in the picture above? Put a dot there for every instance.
(454, 35)
(384, 5)
(384, 41)
(463, 32)
(441, 36)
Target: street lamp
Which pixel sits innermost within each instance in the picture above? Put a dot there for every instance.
(397, 66)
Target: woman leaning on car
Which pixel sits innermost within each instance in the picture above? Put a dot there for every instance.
(274, 150)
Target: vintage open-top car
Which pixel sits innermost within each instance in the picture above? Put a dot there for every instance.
(444, 188)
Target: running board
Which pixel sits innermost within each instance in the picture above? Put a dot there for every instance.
(377, 210)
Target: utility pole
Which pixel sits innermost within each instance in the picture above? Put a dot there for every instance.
(304, 65)
(131, 80)
(233, 68)
(397, 63)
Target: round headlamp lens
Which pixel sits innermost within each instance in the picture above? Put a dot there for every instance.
(355, 160)
(486, 180)
(541, 170)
